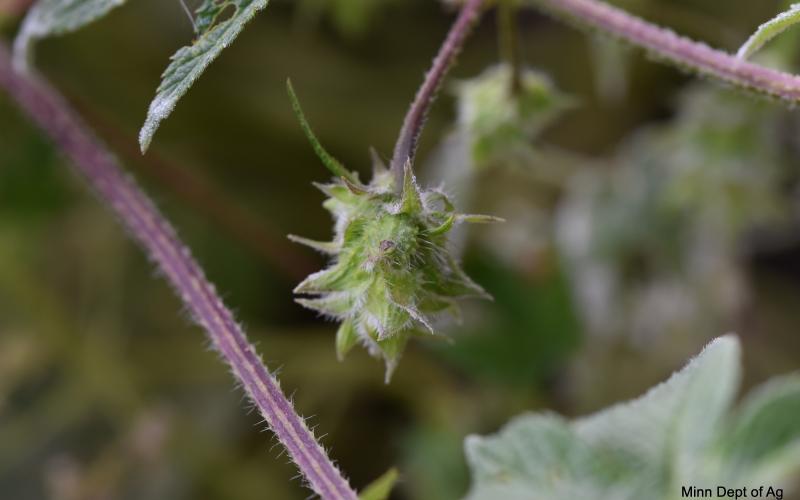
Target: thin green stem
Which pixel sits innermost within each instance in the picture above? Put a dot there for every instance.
(332, 164)
(509, 42)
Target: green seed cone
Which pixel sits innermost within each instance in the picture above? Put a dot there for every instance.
(391, 271)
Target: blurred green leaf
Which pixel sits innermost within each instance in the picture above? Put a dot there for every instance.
(765, 434)
(675, 435)
(381, 488)
(501, 124)
(539, 457)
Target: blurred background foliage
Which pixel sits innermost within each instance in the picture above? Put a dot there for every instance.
(654, 213)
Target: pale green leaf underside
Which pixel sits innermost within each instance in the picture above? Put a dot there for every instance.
(680, 433)
(770, 30)
(188, 63)
(55, 17)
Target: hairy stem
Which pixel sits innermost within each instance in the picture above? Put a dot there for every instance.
(684, 52)
(508, 38)
(47, 109)
(406, 147)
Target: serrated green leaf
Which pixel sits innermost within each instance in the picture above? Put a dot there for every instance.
(208, 12)
(770, 30)
(188, 63)
(56, 17)
(381, 488)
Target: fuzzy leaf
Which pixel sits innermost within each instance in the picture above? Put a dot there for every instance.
(189, 62)
(539, 457)
(681, 413)
(56, 17)
(680, 433)
(770, 30)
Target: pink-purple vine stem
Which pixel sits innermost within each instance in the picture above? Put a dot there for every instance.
(684, 52)
(47, 109)
(406, 147)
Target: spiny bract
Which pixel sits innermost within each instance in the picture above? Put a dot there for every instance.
(391, 269)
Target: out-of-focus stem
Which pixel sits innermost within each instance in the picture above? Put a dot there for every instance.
(406, 147)
(508, 39)
(47, 109)
(682, 51)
